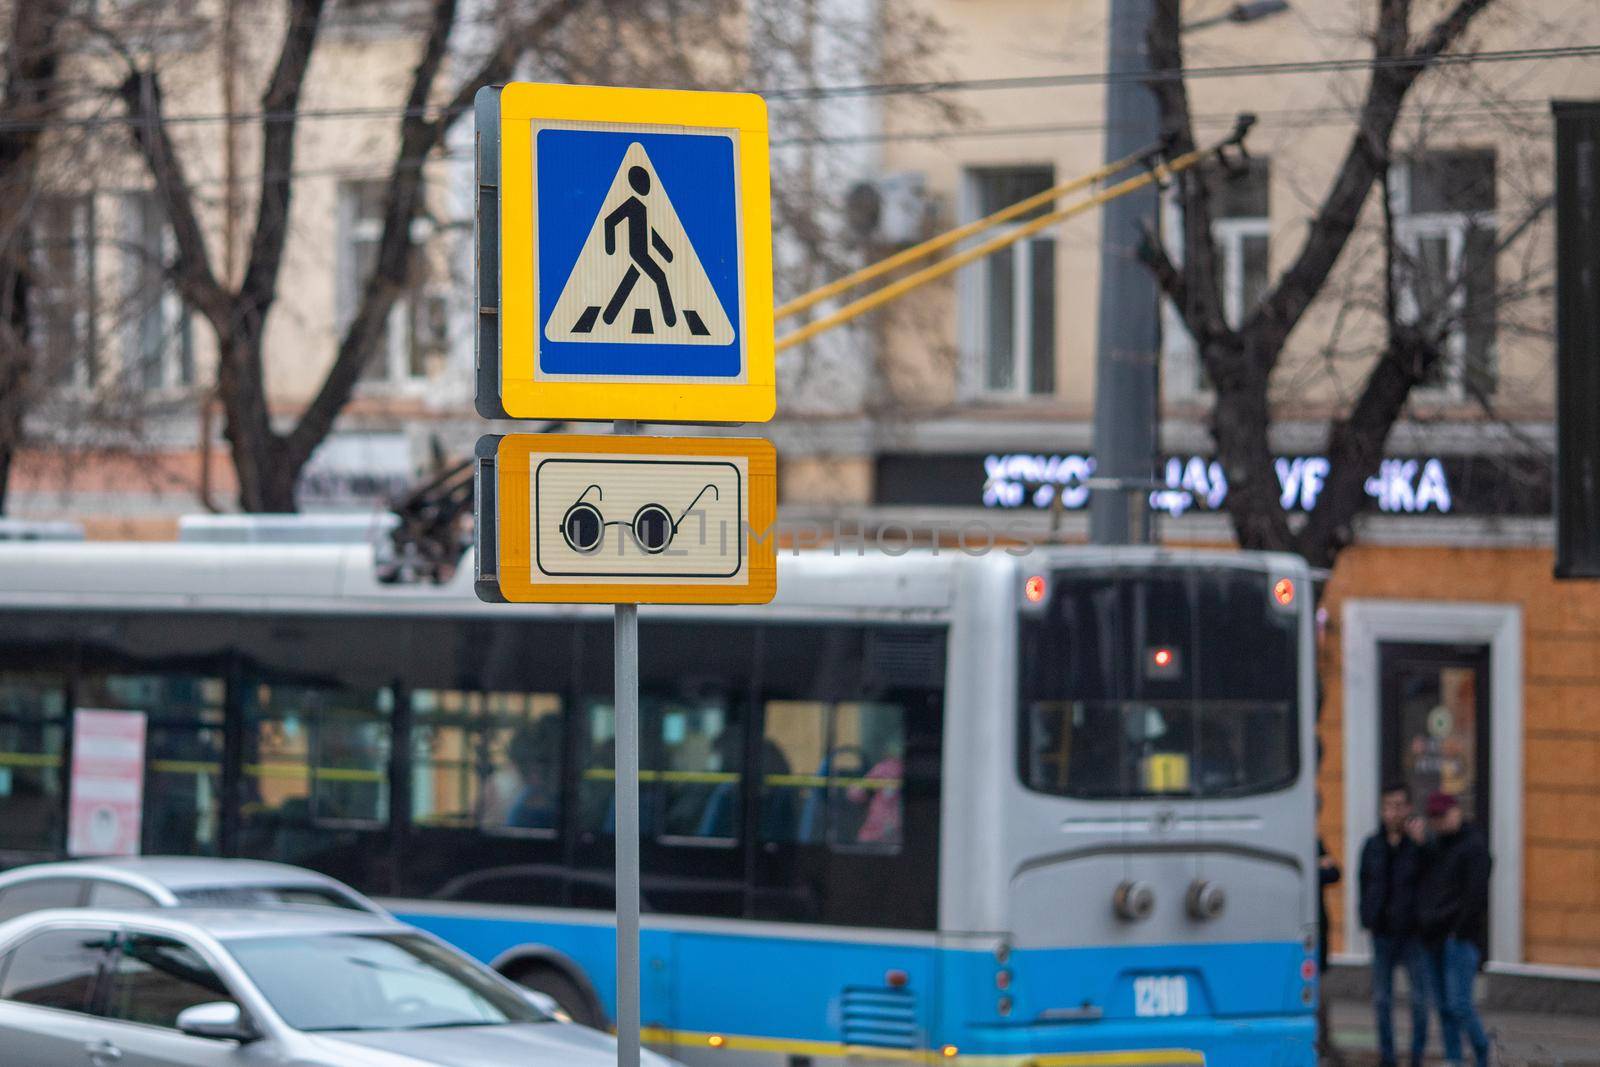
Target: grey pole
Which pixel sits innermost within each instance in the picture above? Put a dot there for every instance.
(625, 702)
(1127, 375)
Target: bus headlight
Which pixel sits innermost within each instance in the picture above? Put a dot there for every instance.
(1133, 901)
(1206, 900)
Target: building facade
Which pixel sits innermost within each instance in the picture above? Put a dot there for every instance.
(1450, 655)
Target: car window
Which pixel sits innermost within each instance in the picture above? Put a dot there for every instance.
(376, 982)
(40, 893)
(155, 978)
(54, 969)
(117, 895)
(268, 896)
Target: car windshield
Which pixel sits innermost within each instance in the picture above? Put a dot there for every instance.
(331, 982)
(267, 896)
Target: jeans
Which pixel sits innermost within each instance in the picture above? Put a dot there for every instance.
(1454, 967)
(1387, 954)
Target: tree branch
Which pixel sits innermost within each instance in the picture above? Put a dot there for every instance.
(1201, 301)
(1356, 442)
(1169, 279)
(31, 96)
(191, 267)
(280, 107)
(1275, 319)
(499, 65)
(419, 135)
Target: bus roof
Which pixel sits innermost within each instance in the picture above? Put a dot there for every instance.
(343, 578)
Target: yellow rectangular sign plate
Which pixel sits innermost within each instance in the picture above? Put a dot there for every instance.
(608, 520)
(624, 255)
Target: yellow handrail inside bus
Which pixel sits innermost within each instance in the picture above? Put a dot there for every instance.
(950, 237)
(994, 244)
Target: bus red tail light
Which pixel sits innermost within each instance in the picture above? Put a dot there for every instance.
(1034, 589)
(1283, 592)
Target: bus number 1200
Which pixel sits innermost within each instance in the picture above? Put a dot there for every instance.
(1158, 996)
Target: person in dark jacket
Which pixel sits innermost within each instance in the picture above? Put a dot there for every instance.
(1453, 919)
(1391, 863)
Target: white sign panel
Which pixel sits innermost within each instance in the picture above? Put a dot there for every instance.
(107, 799)
(622, 518)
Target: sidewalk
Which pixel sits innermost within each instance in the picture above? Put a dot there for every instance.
(1525, 1039)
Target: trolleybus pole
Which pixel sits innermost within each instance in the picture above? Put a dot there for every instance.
(626, 704)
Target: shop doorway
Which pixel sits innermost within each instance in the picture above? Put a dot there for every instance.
(1435, 728)
(1432, 696)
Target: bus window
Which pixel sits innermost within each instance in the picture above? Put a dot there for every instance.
(694, 687)
(1104, 718)
(486, 760)
(32, 736)
(866, 805)
(834, 774)
(183, 753)
(314, 754)
(597, 773)
(794, 775)
(702, 755)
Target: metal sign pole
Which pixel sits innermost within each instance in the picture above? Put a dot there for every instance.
(626, 704)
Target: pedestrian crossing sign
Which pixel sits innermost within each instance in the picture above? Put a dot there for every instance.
(624, 255)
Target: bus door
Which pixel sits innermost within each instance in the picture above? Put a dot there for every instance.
(848, 803)
(317, 712)
(184, 708)
(847, 826)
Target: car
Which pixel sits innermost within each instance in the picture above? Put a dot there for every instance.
(171, 881)
(308, 987)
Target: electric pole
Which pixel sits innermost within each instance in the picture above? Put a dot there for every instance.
(1128, 374)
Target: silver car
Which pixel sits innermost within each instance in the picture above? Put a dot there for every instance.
(203, 987)
(170, 881)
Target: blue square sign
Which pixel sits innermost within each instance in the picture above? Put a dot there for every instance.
(638, 254)
(624, 255)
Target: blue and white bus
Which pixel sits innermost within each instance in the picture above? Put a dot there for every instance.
(1048, 809)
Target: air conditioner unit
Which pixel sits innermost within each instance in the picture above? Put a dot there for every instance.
(890, 209)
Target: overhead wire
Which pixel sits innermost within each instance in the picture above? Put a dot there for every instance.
(1096, 78)
(1290, 118)
(955, 236)
(1158, 172)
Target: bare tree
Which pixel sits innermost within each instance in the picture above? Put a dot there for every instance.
(32, 97)
(269, 461)
(1240, 361)
(704, 44)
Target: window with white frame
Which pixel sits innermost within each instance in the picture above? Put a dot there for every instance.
(158, 332)
(1444, 209)
(1009, 306)
(1241, 227)
(413, 342)
(62, 302)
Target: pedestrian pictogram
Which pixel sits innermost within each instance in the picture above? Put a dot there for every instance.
(624, 255)
(638, 278)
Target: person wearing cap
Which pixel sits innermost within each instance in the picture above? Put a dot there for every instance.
(1391, 864)
(1453, 919)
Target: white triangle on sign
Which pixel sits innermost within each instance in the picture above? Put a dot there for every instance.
(615, 291)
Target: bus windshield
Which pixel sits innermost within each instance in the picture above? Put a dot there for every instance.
(1172, 682)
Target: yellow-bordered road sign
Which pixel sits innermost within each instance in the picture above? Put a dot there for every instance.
(624, 255)
(602, 520)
